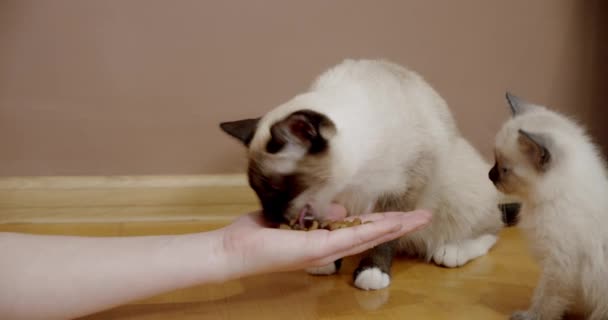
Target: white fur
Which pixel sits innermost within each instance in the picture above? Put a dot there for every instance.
(286, 162)
(454, 255)
(391, 126)
(565, 215)
(372, 279)
(464, 204)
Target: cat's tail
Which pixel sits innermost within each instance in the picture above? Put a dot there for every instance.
(510, 213)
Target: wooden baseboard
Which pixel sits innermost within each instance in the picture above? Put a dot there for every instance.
(124, 198)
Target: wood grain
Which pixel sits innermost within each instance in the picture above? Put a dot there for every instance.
(124, 198)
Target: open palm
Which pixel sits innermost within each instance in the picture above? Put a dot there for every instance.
(255, 248)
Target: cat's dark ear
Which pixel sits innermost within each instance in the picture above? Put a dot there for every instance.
(241, 129)
(304, 129)
(518, 105)
(535, 147)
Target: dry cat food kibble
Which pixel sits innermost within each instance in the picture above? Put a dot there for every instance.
(305, 221)
(310, 223)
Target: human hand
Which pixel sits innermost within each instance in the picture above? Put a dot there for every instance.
(250, 247)
(133, 268)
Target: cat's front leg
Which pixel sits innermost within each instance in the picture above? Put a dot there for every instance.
(550, 300)
(457, 254)
(374, 270)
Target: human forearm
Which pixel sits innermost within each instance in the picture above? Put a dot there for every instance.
(56, 277)
(59, 277)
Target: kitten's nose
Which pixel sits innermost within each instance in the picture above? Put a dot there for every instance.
(494, 174)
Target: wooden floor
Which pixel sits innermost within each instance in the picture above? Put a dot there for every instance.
(488, 288)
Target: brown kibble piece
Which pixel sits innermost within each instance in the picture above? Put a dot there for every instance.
(333, 226)
(293, 222)
(312, 224)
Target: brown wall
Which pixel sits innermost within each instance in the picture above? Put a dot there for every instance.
(138, 87)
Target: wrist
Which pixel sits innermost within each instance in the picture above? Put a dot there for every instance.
(219, 261)
(199, 258)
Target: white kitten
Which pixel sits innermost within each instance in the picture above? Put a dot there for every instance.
(549, 162)
(372, 135)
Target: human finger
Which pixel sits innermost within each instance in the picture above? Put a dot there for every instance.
(408, 227)
(343, 239)
(335, 212)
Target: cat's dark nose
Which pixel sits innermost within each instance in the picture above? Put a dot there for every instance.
(494, 176)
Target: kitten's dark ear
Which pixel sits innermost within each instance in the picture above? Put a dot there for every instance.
(517, 104)
(241, 129)
(306, 129)
(535, 147)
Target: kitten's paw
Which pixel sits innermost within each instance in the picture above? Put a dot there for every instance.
(522, 315)
(454, 255)
(372, 279)
(325, 270)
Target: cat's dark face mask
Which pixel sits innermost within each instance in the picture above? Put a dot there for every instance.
(301, 137)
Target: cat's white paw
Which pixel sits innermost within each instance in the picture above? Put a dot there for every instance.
(483, 244)
(454, 255)
(522, 315)
(449, 255)
(372, 279)
(324, 270)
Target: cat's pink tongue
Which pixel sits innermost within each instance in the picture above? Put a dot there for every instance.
(335, 212)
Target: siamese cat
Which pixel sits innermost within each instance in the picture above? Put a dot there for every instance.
(551, 164)
(374, 136)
